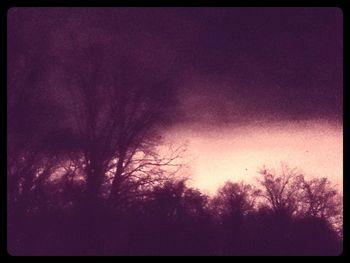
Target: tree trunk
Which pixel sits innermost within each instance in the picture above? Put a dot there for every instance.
(117, 179)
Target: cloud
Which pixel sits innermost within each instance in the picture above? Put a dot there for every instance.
(230, 64)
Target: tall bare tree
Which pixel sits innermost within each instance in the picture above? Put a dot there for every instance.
(118, 107)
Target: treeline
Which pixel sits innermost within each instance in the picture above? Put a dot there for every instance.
(284, 214)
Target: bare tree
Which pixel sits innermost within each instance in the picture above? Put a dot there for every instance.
(174, 200)
(117, 108)
(234, 200)
(281, 191)
(320, 199)
(291, 193)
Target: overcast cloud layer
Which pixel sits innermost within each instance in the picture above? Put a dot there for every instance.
(231, 64)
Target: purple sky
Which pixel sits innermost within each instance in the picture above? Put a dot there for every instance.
(279, 63)
(231, 66)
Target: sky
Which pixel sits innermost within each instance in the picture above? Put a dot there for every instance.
(254, 86)
(237, 154)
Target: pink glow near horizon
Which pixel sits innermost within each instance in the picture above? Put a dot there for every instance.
(217, 155)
